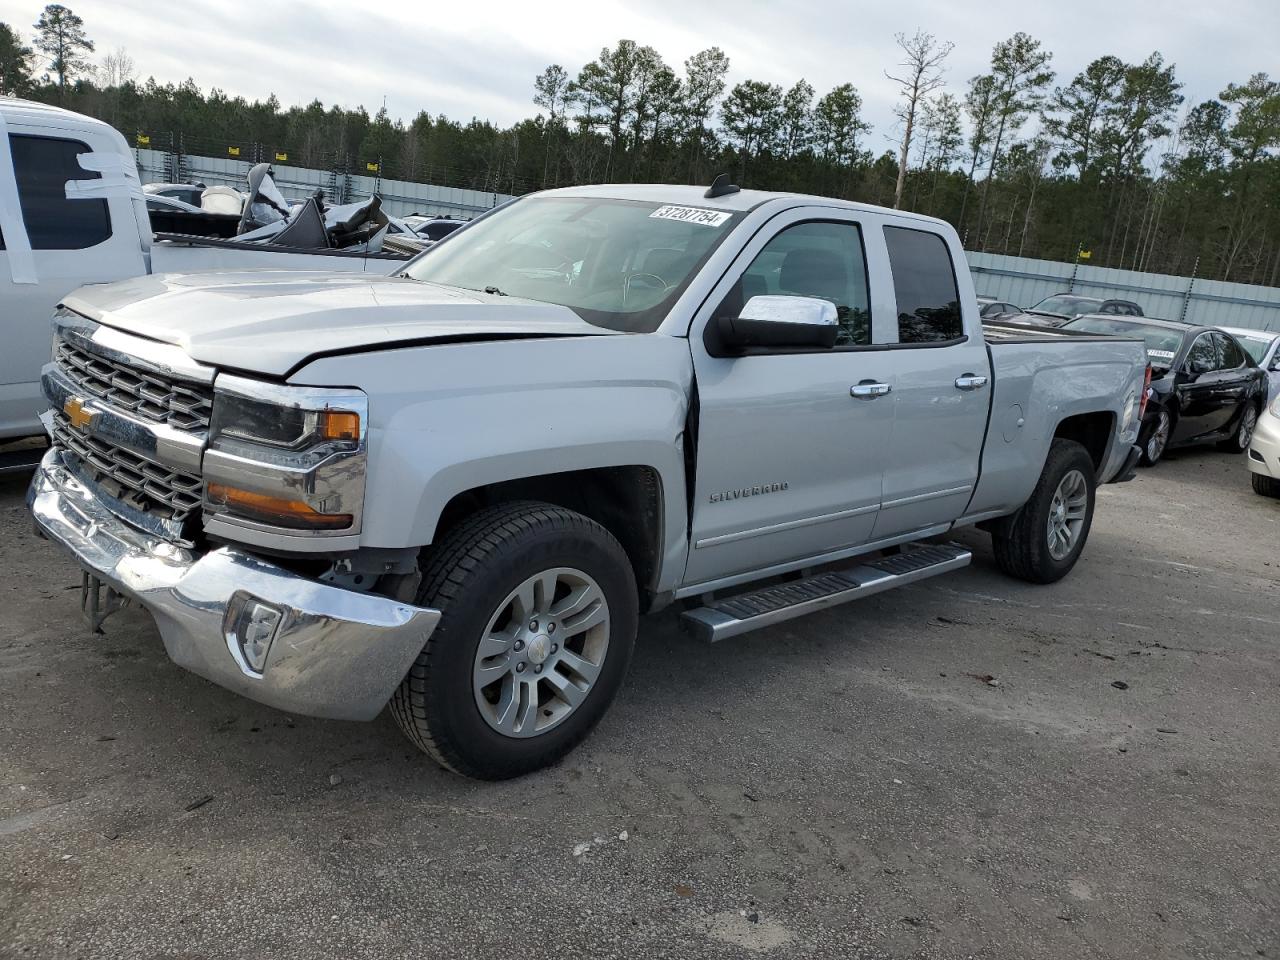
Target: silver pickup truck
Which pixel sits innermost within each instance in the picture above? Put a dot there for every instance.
(452, 491)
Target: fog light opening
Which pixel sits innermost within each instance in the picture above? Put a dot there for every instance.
(254, 630)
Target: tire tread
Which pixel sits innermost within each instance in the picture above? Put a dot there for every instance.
(444, 580)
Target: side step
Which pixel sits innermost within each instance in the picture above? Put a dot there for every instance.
(762, 608)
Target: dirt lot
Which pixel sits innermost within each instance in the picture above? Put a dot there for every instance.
(846, 785)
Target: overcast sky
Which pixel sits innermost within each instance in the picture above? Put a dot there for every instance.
(479, 59)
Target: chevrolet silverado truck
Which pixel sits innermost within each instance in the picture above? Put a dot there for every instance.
(453, 491)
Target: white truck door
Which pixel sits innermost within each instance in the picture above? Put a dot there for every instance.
(788, 461)
(73, 242)
(942, 385)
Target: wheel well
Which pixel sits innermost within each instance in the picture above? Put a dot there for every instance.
(1092, 431)
(626, 501)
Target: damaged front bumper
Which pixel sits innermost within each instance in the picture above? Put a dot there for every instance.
(261, 631)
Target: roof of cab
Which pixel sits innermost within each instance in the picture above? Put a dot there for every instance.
(46, 115)
(738, 202)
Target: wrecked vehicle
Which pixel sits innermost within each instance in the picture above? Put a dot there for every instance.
(72, 212)
(452, 491)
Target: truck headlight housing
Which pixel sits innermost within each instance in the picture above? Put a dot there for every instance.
(286, 460)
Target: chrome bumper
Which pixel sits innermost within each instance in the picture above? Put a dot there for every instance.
(335, 653)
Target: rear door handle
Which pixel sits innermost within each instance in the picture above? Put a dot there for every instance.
(869, 390)
(971, 381)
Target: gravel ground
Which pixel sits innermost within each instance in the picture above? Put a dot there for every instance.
(848, 785)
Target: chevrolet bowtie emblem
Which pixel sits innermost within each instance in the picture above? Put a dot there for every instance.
(75, 410)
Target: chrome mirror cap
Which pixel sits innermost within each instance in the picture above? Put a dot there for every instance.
(782, 309)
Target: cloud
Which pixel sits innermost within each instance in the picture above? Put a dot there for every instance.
(470, 60)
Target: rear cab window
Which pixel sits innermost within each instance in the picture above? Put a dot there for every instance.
(924, 283)
(42, 167)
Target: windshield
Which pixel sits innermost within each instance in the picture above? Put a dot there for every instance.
(616, 263)
(1162, 342)
(1255, 347)
(1067, 306)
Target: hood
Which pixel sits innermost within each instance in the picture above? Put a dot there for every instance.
(269, 322)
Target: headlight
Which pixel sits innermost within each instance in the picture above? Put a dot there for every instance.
(279, 425)
(286, 459)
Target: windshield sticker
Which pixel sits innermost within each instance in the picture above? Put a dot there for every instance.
(706, 218)
(1161, 354)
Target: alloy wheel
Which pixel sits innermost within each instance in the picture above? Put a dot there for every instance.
(541, 652)
(1067, 514)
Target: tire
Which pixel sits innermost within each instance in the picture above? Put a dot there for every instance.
(1238, 442)
(1026, 548)
(1266, 486)
(1157, 441)
(471, 579)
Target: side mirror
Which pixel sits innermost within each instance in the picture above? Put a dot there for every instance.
(774, 321)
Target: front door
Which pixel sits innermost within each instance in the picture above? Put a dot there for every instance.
(788, 460)
(1198, 392)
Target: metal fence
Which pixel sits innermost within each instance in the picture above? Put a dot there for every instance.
(1210, 302)
(399, 197)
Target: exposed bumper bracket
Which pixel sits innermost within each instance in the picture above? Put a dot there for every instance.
(99, 600)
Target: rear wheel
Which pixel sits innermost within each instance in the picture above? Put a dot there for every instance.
(1157, 439)
(1044, 539)
(1238, 442)
(539, 613)
(1267, 486)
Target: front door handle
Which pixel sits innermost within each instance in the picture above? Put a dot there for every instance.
(869, 390)
(971, 381)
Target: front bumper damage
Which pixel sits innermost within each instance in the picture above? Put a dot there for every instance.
(324, 651)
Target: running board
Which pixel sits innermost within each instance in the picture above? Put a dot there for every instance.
(726, 618)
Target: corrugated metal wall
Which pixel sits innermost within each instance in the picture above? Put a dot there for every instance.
(399, 197)
(1211, 302)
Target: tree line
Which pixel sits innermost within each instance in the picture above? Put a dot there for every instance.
(1110, 163)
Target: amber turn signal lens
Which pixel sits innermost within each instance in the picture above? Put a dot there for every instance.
(294, 514)
(339, 425)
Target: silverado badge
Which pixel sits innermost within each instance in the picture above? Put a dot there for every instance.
(75, 410)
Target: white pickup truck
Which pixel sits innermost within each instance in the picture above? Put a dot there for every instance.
(72, 212)
(455, 489)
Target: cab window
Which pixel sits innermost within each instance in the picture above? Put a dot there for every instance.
(924, 283)
(42, 167)
(822, 259)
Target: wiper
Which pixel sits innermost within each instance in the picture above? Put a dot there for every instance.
(494, 291)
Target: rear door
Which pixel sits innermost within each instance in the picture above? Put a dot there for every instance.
(789, 462)
(941, 387)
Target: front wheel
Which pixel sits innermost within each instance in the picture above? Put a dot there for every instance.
(1238, 442)
(538, 620)
(1264, 485)
(1044, 539)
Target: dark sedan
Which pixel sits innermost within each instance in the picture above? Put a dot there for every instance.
(1204, 387)
(1058, 309)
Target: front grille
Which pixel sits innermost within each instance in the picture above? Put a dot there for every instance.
(179, 403)
(139, 482)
